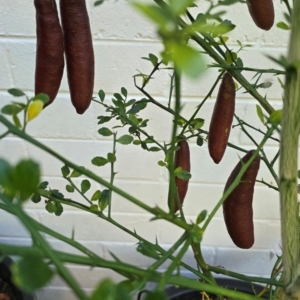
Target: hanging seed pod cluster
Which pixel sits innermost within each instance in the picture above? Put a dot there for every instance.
(73, 39)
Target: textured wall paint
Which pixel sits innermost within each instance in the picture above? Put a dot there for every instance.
(121, 37)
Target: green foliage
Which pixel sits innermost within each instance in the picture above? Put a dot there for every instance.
(104, 199)
(85, 186)
(65, 171)
(182, 174)
(147, 249)
(201, 217)
(76, 173)
(16, 92)
(96, 196)
(55, 207)
(31, 273)
(15, 180)
(260, 114)
(108, 290)
(99, 161)
(70, 188)
(125, 139)
(283, 25)
(105, 131)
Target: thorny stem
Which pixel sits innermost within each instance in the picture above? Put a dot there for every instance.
(112, 173)
(289, 163)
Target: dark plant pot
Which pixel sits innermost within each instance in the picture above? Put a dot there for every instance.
(8, 291)
(177, 293)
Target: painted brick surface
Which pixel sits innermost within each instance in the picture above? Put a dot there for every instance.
(121, 37)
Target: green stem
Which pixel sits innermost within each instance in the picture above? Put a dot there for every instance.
(78, 190)
(289, 165)
(170, 159)
(17, 211)
(112, 173)
(155, 211)
(175, 263)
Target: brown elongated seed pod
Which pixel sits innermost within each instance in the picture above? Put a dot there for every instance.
(237, 208)
(262, 13)
(182, 159)
(50, 49)
(79, 52)
(222, 117)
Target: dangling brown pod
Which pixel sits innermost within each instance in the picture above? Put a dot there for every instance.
(222, 117)
(79, 52)
(182, 159)
(50, 49)
(262, 13)
(237, 208)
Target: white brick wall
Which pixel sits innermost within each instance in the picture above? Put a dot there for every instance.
(121, 36)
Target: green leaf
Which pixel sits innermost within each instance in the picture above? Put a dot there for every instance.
(96, 196)
(57, 194)
(201, 217)
(43, 185)
(179, 7)
(197, 123)
(101, 95)
(59, 209)
(199, 140)
(85, 186)
(124, 92)
(187, 59)
(51, 207)
(137, 107)
(230, 57)
(125, 139)
(105, 131)
(98, 2)
(265, 85)
(260, 113)
(99, 161)
(159, 15)
(17, 121)
(36, 198)
(43, 97)
(111, 157)
(182, 174)
(283, 25)
(106, 290)
(16, 92)
(133, 119)
(76, 173)
(136, 142)
(104, 199)
(154, 149)
(5, 174)
(70, 188)
(130, 102)
(26, 178)
(118, 97)
(299, 174)
(223, 28)
(11, 109)
(31, 273)
(94, 207)
(147, 249)
(275, 117)
(65, 171)
(103, 119)
(162, 163)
